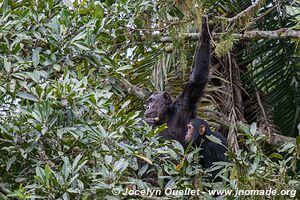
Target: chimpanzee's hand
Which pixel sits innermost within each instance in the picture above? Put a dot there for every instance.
(205, 33)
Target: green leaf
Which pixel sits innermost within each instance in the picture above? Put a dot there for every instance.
(35, 57)
(157, 130)
(81, 45)
(81, 166)
(125, 104)
(254, 166)
(56, 67)
(143, 170)
(40, 173)
(120, 165)
(144, 158)
(24, 95)
(108, 159)
(126, 67)
(75, 162)
(80, 36)
(214, 139)
(7, 65)
(253, 129)
(66, 168)
(286, 147)
(276, 155)
(69, 4)
(48, 173)
(10, 162)
(178, 146)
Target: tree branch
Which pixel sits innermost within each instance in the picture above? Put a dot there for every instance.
(251, 9)
(263, 114)
(276, 34)
(134, 90)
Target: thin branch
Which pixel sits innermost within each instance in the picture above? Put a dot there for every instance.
(251, 9)
(134, 90)
(233, 134)
(276, 34)
(263, 113)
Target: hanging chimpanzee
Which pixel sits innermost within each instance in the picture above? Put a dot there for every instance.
(211, 152)
(176, 114)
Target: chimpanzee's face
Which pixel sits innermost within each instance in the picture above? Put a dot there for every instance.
(156, 104)
(189, 133)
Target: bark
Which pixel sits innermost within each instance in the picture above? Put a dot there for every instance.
(247, 12)
(134, 90)
(247, 35)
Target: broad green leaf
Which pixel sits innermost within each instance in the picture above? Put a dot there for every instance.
(80, 166)
(80, 36)
(75, 162)
(178, 146)
(126, 67)
(10, 162)
(253, 129)
(81, 45)
(56, 67)
(276, 155)
(108, 159)
(144, 158)
(40, 173)
(214, 139)
(120, 165)
(7, 65)
(254, 166)
(27, 96)
(48, 173)
(125, 104)
(143, 170)
(35, 57)
(66, 168)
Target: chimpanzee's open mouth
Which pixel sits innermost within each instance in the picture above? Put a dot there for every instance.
(151, 120)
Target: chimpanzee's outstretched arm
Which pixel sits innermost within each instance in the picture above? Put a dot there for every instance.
(194, 88)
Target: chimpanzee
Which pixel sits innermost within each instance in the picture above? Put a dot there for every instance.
(211, 152)
(176, 114)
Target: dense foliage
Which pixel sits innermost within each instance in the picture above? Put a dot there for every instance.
(71, 126)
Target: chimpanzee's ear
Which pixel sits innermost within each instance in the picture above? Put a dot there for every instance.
(167, 97)
(202, 130)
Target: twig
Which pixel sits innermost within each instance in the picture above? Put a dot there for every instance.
(263, 113)
(247, 11)
(233, 134)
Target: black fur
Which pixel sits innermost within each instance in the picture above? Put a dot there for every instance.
(210, 151)
(160, 107)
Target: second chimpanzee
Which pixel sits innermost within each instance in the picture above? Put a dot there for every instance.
(211, 152)
(176, 114)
